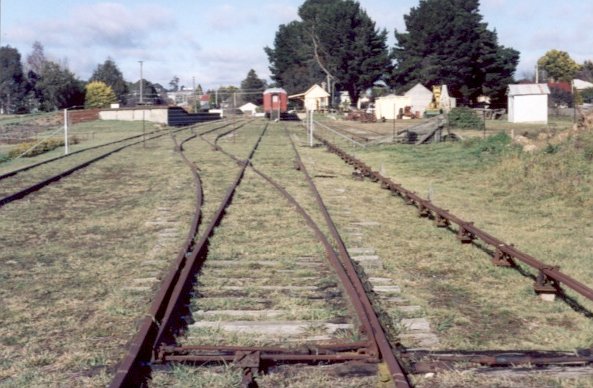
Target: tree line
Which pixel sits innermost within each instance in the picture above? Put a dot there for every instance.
(444, 42)
(42, 84)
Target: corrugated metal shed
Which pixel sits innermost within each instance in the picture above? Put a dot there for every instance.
(528, 89)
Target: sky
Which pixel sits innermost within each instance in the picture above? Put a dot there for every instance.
(216, 43)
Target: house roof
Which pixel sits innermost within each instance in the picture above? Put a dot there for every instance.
(580, 84)
(528, 89)
(418, 88)
(316, 90)
(248, 106)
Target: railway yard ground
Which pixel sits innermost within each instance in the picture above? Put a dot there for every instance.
(82, 259)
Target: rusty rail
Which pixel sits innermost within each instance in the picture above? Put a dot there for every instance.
(549, 277)
(39, 185)
(368, 351)
(395, 367)
(158, 325)
(25, 168)
(428, 361)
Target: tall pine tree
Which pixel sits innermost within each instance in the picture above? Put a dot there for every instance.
(447, 42)
(336, 41)
(253, 88)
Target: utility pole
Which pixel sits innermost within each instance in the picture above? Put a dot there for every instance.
(66, 131)
(195, 102)
(141, 84)
(0, 23)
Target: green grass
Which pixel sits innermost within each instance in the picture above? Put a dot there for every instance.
(470, 303)
(68, 255)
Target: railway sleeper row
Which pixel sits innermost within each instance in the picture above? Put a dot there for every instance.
(151, 343)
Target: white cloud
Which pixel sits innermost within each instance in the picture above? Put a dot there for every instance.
(227, 17)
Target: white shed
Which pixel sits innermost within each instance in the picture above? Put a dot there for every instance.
(528, 103)
(420, 98)
(388, 106)
(316, 98)
(248, 109)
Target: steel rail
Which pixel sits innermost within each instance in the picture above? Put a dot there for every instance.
(428, 361)
(394, 364)
(549, 277)
(31, 166)
(183, 286)
(365, 350)
(39, 185)
(157, 323)
(25, 168)
(134, 367)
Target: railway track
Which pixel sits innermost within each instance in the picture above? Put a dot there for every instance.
(265, 281)
(271, 279)
(548, 280)
(19, 183)
(207, 322)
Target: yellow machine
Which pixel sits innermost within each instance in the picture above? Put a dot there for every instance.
(434, 108)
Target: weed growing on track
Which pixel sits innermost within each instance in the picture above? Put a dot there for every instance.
(73, 283)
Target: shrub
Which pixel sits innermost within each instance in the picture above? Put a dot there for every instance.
(464, 117)
(45, 146)
(493, 145)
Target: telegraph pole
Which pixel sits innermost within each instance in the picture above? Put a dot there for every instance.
(0, 23)
(141, 84)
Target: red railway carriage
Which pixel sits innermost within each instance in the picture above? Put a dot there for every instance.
(275, 102)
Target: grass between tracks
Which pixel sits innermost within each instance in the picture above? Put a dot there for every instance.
(80, 261)
(470, 303)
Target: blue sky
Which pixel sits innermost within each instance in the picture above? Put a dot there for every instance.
(217, 42)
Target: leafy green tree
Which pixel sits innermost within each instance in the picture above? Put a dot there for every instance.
(558, 66)
(348, 47)
(229, 96)
(99, 95)
(336, 42)
(446, 42)
(151, 93)
(587, 95)
(109, 73)
(13, 84)
(58, 88)
(253, 88)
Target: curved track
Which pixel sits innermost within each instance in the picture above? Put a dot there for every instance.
(20, 183)
(156, 341)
